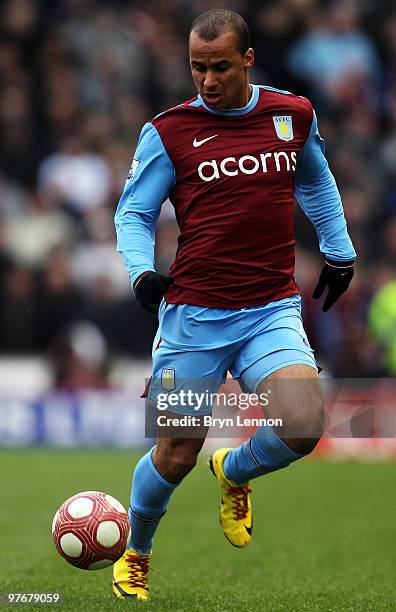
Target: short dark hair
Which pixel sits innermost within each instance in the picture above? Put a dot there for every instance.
(212, 24)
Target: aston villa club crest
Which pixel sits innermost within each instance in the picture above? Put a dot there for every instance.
(168, 379)
(283, 127)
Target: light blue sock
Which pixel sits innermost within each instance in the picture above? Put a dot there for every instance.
(264, 452)
(149, 499)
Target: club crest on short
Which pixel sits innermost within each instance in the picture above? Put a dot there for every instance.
(168, 379)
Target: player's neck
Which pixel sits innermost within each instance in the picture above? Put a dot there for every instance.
(244, 101)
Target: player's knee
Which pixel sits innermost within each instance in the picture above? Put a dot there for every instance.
(306, 427)
(303, 446)
(176, 460)
(183, 460)
(317, 415)
(308, 420)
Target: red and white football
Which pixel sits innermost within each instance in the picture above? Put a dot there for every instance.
(91, 530)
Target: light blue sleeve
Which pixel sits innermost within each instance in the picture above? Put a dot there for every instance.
(317, 194)
(150, 180)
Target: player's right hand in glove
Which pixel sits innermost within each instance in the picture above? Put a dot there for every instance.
(336, 276)
(149, 290)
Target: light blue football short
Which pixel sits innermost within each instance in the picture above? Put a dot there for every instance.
(195, 346)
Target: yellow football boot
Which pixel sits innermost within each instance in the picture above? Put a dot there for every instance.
(236, 516)
(130, 576)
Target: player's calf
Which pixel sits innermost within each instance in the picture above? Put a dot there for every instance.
(297, 399)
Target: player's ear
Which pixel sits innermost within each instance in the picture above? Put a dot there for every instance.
(249, 58)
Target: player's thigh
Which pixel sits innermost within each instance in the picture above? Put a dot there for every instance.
(278, 360)
(296, 397)
(190, 360)
(279, 341)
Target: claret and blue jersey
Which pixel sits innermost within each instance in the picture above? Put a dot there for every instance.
(232, 176)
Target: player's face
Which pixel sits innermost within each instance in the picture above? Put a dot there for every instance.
(219, 70)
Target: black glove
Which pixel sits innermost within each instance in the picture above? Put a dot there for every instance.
(336, 276)
(149, 290)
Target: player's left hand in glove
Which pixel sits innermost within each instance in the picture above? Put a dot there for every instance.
(150, 288)
(336, 276)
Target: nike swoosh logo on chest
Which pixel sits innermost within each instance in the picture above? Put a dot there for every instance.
(198, 143)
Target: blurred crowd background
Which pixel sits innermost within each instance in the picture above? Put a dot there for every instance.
(78, 78)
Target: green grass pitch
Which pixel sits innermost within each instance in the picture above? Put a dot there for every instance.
(324, 537)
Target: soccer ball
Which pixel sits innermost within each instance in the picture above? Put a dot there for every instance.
(91, 530)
